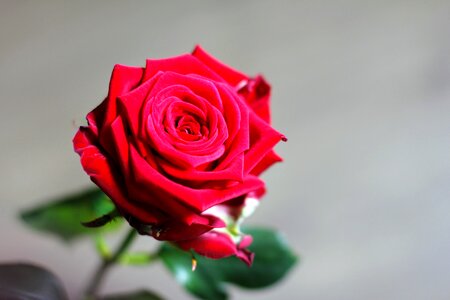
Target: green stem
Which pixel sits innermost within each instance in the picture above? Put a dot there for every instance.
(138, 258)
(97, 279)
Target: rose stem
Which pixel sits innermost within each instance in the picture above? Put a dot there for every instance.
(91, 291)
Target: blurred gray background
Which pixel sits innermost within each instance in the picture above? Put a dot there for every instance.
(361, 88)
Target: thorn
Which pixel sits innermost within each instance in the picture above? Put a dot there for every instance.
(194, 263)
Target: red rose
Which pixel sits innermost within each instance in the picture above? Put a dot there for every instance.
(178, 145)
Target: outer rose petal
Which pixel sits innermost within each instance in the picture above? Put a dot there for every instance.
(98, 168)
(199, 199)
(218, 245)
(268, 160)
(262, 139)
(183, 64)
(176, 231)
(144, 194)
(95, 117)
(123, 80)
(232, 76)
(256, 92)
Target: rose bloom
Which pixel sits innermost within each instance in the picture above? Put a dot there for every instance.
(178, 146)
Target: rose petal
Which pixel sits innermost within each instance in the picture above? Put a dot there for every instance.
(230, 75)
(211, 244)
(200, 86)
(97, 166)
(234, 171)
(262, 139)
(256, 93)
(210, 151)
(199, 199)
(176, 231)
(123, 80)
(95, 117)
(268, 160)
(218, 245)
(239, 141)
(183, 64)
(132, 103)
(246, 256)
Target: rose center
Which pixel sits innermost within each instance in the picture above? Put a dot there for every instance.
(189, 128)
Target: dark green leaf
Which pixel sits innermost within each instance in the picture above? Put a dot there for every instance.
(139, 295)
(25, 281)
(201, 282)
(273, 260)
(63, 217)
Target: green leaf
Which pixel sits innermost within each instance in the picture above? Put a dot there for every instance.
(25, 281)
(201, 282)
(139, 295)
(273, 260)
(63, 217)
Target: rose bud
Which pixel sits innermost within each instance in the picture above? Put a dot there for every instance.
(178, 146)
